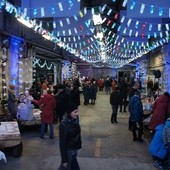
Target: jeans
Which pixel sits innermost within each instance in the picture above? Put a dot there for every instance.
(43, 127)
(72, 160)
(114, 113)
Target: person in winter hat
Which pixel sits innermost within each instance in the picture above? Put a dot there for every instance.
(70, 139)
(136, 116)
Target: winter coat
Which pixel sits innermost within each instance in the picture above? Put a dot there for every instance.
(135, 108)
(100, 83)
(86, 92)
(115, 98)
(63, 99)
(70, 136)
(75, 96)
(48, 107)
(93, 91)
(166, 132)
(160, 112)
(157, 147)
(113, 85)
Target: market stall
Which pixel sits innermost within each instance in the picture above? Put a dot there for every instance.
(10, 137)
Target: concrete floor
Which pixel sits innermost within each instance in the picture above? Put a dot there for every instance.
(106, 146)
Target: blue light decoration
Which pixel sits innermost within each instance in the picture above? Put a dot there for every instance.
(35, 12)
(151, 9)
(52, 8)
(13, 57)
(87, 23)
(137, 24)
(150, 27)
(75, 17)
(161, 11)
(70, 3)
(132, 5)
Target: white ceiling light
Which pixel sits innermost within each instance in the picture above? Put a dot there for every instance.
(25, 22)
(97, 19)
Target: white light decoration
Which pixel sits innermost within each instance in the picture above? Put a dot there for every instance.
(42, 12)
(167, 27)
(124, 3)
(61, 23)
(25, 22)
(122, 19)
(137, 24)
(103, 8)
(129, 22)
(109, 12)
(97, 19)
(47, 37)
(54, 24)
(142, 8)
(68, 21)
(159, 27)
(60, 6)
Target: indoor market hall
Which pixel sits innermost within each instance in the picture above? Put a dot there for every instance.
(84, 84)
(105, 146)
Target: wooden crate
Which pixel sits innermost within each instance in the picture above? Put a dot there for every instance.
(9, 134)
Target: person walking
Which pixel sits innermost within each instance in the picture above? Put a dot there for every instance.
(114, 101)
(136, 115)
(47, 116)
(70, 139)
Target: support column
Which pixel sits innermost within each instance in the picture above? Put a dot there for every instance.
(13, 61)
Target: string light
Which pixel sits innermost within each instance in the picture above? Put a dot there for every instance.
(142, 8)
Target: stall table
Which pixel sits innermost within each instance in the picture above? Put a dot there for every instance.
(10, 137)
(35, 121)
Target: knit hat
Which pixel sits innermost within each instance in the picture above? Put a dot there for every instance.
(71, 107)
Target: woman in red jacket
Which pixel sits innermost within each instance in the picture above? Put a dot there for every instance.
(161, 110)
(47, 116)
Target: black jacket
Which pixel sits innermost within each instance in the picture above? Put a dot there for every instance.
(115, 98)
(70, 136)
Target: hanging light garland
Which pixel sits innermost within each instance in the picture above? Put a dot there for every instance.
(38, 62)
(46, 34)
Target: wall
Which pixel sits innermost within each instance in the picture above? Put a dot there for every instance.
(96, 73)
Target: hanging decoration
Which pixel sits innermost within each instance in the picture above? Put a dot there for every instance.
(38, 62)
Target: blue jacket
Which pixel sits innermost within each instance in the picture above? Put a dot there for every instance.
(166, 132)
(135, 108)
(157, 147)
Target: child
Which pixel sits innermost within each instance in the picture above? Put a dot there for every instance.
(157, 147)
(166, 138)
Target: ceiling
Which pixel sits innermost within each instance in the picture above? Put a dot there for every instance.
(131, 28)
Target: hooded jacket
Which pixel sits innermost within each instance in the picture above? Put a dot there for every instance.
(157, 147)
(135, 108)
(160, 111)
(70, 136)
(48, 107)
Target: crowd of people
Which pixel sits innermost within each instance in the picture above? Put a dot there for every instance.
(60, 104)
